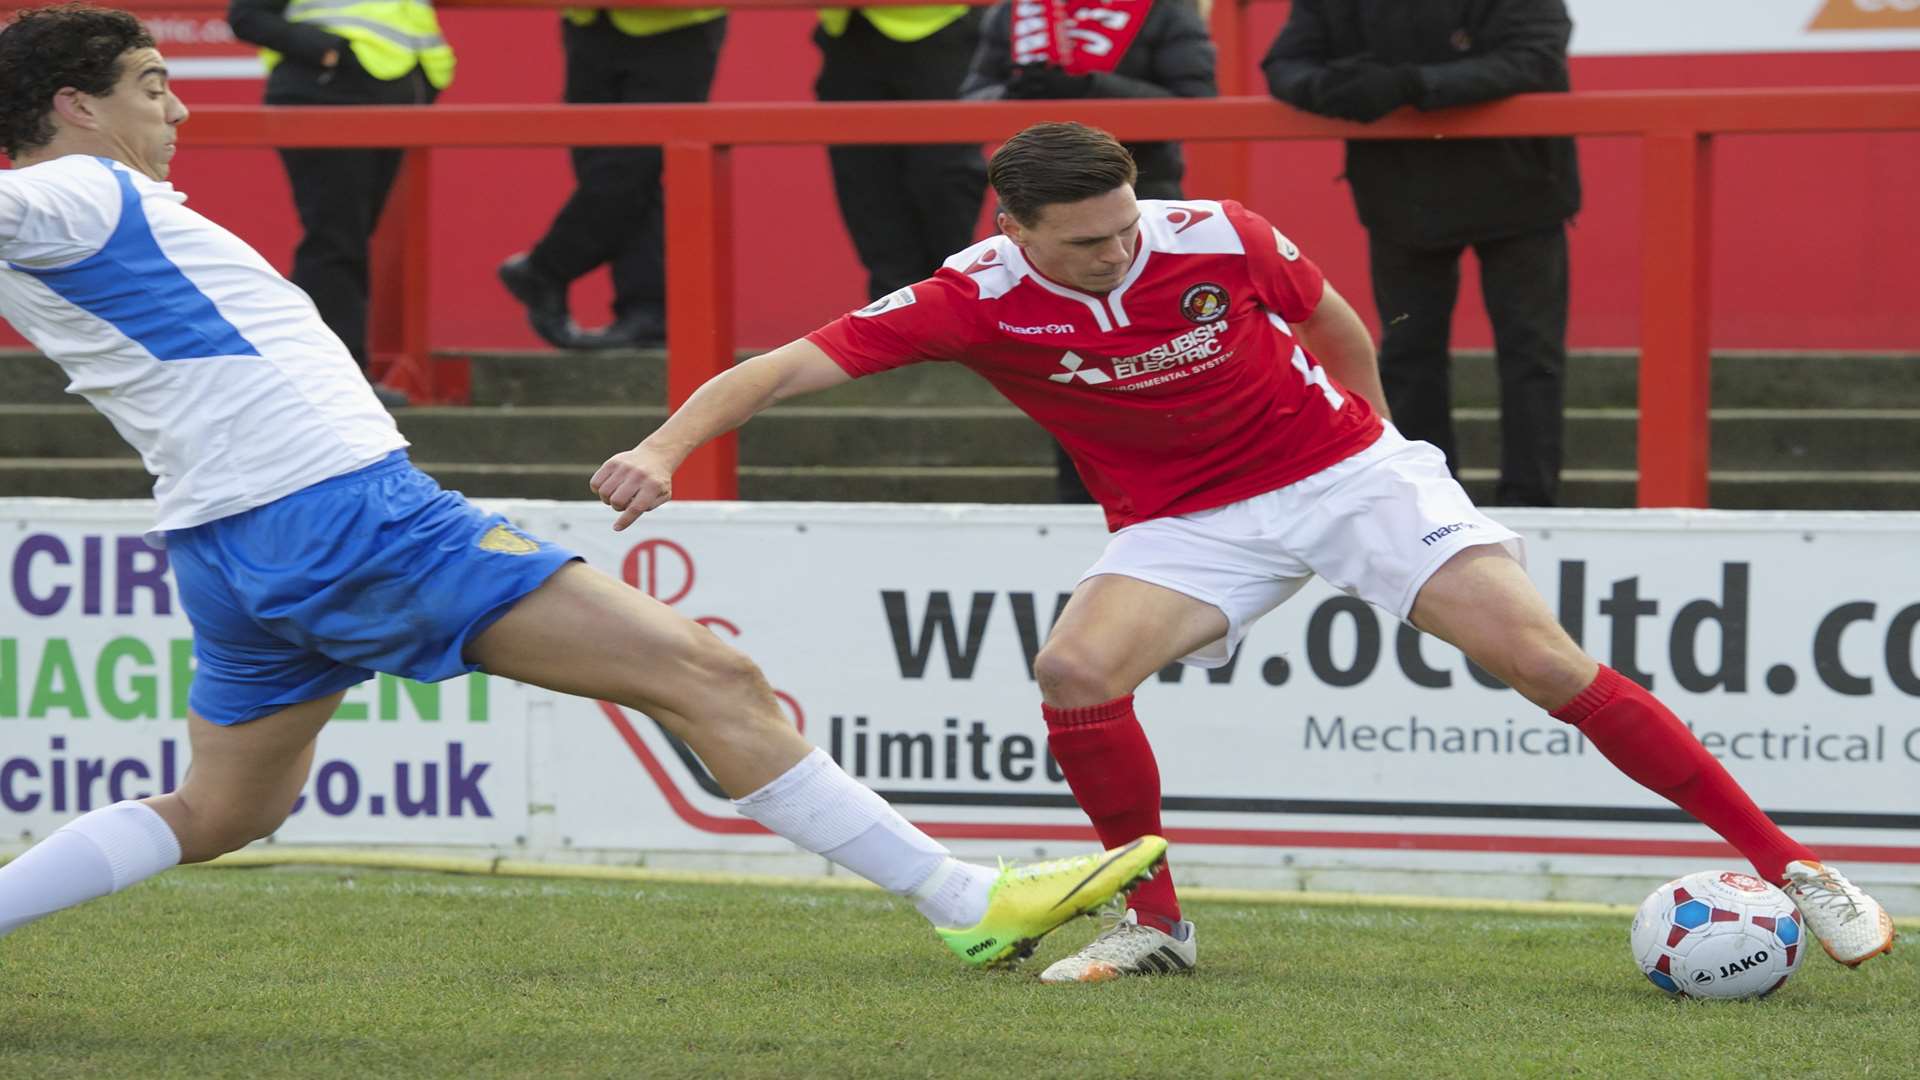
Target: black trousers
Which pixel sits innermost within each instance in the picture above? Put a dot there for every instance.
(339, 194)
(906, 207)
(1524, 281)
(615, 214)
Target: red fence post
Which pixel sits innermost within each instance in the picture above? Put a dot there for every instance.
(699, 213)
(402, 260)
(1675, 367)
(1224, 169)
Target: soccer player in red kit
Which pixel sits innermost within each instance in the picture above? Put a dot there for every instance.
(1222, 404)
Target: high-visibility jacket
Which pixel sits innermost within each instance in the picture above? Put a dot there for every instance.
(898, 23)
(644, 22)
(388, 37)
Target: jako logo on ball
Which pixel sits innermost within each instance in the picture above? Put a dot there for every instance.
(1717, 934)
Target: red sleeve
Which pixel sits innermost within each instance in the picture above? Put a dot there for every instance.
(924, 321)
(1287, 282)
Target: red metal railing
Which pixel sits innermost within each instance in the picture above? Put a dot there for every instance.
(1218, 168)
(1676, 129)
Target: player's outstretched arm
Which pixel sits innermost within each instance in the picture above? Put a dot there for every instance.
(1336, 337)
(641, 479)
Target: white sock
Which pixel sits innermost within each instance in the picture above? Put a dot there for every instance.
(819, 807)
(955, 894)
(97, 853)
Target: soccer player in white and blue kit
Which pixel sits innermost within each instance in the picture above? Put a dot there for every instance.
(310, 553)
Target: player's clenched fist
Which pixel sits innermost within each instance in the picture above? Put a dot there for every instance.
(633, 482)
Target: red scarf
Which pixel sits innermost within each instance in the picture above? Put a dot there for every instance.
(1078, 36)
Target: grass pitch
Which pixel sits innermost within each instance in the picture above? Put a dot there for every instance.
(352, 973)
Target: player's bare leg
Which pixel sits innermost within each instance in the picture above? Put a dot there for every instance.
(1483, 602)
(584, 633)
(243, 778)
(240, 786)
(1115, 632)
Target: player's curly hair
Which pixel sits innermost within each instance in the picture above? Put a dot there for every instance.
(44, 50)
(1056, 163)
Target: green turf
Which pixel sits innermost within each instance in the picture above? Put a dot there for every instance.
(269, 973)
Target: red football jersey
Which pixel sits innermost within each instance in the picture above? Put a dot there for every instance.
(1181, 389)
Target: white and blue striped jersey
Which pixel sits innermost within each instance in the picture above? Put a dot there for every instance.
(213, 366)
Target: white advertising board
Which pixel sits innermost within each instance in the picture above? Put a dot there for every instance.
(95, 660)
(1339, 749)
(1648, 27)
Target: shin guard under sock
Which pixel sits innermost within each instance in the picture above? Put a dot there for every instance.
(1113, 774)
(1647, 742)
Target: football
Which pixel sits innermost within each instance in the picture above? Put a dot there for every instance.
(1717, 934)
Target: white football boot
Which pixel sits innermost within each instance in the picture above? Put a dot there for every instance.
(1126, 948)
(1851, 925)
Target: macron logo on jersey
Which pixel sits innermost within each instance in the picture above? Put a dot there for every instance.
(1050, 328)
(1186, 217)
(988, 260)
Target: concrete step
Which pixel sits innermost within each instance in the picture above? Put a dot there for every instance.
(1035, 484)
(1741, 380)
(786, 435)
(1596, 379)
(1807, 431)
(638, 376)
(1734, 490)
(1002, 484)
(27, 377)
(1741, 439)
(546, 377)
(74, 478)
(587, 436)
(123, 478)
(605, 377)
(869, 436)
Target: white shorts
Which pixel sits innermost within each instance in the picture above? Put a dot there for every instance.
(1375, 526)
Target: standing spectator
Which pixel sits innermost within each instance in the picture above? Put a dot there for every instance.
(615, 215)
(329, 52)
(1423, 201)
(906, 207)
(1116, 49)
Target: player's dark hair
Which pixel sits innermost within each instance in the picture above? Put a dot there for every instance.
(45, 50)
(1056, 163)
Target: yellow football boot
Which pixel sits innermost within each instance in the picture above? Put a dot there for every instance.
(1028, 902)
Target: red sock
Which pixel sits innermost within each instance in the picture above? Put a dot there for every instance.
(1113, 774)
(1648, 743)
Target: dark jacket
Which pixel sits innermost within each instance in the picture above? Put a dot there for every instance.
(1171, 57)
(1443, 191)
(298, 79)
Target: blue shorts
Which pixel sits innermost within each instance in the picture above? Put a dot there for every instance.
(376, 570)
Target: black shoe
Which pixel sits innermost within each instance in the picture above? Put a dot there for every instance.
(545, 300)
(634, 330)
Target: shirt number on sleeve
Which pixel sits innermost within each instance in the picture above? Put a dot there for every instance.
(1316, 376)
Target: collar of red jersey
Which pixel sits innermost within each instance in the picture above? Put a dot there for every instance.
(1017, 261)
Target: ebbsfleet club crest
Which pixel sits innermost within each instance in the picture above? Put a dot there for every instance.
(1204, 302)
